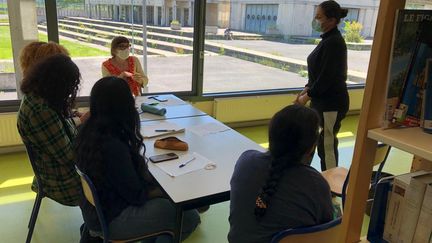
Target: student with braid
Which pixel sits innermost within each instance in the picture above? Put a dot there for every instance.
(278, 189)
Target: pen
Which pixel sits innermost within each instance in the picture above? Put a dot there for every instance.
(157, 99)
(165, 130)
(155, 103)
(185, 163)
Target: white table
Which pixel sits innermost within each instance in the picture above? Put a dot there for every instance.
(176, 108)
(202, 187)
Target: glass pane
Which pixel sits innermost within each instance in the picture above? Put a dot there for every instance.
(7, 69)
(87, 29)
(253, 47)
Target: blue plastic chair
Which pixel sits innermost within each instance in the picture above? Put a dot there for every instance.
(39, 195)
(91, 195)
(323, 233)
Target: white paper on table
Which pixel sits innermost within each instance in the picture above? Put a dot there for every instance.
(149, 131)
(172, 168)
(208, 128)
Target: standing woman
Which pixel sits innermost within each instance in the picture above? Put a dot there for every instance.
(125, 66)
(326, 87)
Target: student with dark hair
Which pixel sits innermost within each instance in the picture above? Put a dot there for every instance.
(44, 123)
(108, 150)
(124, 66)
(278, 189)
(326, 87)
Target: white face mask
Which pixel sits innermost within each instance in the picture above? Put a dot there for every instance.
(123, 54)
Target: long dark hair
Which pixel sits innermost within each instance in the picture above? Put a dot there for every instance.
(55, 79)
(112, 115)
(293, 132)
(332, 9)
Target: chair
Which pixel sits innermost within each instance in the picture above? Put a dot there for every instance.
(39, 195)
(323, 233)
(90, 193)
(336, 177)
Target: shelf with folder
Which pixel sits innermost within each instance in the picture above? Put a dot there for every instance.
(412, 140)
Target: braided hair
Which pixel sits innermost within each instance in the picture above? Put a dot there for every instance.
(293, 132)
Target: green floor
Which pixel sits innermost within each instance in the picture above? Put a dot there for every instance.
(60, 224)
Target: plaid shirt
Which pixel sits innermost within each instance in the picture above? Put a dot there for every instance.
(41, 127)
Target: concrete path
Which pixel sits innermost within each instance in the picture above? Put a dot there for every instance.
(221, 74)
(357, 60)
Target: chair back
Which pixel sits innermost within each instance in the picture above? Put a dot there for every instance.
(31, 156)
(90, 193)
(382, 153)
(323, 233)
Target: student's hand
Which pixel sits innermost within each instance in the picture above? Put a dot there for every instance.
(84, 117)
(156, 192)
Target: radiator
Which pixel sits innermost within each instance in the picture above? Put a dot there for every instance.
(9, 135)
(250, 108)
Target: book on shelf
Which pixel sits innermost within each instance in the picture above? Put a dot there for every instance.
(419, 163)
(423, 231)
(427, 100)
(393, 219)
(410, 49)
(412, 206)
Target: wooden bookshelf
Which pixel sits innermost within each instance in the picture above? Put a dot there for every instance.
(370, 120)
(412, 140)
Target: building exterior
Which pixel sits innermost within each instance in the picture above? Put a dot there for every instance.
(286, 17)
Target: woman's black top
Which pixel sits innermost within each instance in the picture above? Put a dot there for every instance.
(327, 70)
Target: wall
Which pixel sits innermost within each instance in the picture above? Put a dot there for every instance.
(295, 17)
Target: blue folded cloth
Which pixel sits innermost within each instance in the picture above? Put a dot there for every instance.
(153, 110)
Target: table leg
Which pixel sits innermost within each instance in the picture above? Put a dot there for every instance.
(178, 225)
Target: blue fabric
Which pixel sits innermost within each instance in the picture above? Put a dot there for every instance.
(378, 212)
(154, 216)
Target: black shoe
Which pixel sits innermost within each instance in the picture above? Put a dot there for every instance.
(203, 209)
(86, 237)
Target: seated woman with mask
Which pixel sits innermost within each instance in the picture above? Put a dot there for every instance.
(124, 66)
(278, 189)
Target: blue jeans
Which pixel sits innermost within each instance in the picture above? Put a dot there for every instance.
(154, 216)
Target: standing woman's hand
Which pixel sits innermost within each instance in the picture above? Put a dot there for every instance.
(304, 91)
(303, 99)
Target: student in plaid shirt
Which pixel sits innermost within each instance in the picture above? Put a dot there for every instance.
(44, 123)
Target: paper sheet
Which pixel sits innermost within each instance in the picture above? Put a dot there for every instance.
(172, 167)
(149, 131)
(208, 128)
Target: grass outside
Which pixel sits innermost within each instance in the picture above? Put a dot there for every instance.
(76, 49)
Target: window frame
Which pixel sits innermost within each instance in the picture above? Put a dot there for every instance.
(196, 93)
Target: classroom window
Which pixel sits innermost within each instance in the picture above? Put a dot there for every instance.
(264, 47)
(7, 70)
(86, 30)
